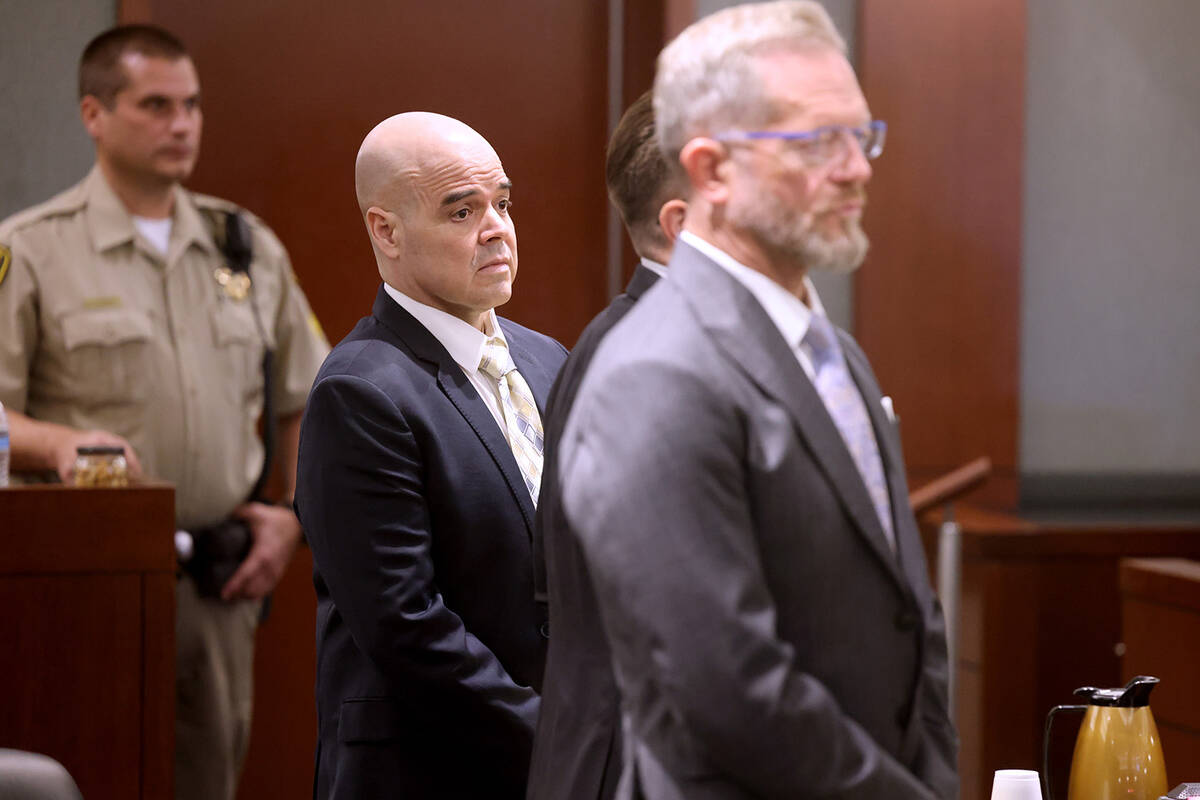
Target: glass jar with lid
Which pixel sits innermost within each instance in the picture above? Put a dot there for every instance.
(101, 467)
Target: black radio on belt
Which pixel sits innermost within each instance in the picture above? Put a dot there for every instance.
(217, 552)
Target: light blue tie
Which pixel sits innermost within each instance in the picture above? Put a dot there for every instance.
(845, 405)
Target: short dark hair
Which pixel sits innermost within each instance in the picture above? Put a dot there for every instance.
(100, 72)
(638, 177)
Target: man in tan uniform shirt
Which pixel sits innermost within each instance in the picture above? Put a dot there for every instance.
(115, 330)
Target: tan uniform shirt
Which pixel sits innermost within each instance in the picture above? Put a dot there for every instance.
(98, 330)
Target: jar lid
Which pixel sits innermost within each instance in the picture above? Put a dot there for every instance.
(107, 450)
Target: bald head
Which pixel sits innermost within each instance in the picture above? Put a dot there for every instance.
(435, 200)
(405, 147)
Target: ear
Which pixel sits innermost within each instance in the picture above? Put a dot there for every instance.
(671, 216)
(706, 162)
(91, 111)
(385, 230)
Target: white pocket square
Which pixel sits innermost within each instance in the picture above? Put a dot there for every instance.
(886, 402)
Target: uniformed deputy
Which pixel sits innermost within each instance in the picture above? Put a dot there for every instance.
(119, 324)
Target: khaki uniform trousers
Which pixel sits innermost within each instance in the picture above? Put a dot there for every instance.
(214, 687)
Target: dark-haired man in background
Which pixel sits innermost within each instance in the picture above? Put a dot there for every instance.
(116, 329)
(577, 749)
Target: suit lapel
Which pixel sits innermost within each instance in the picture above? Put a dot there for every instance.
(740, 327)
(641, 281)
(458, 390)
(891, 455)
(535, 374)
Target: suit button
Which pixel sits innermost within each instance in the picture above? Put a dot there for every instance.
(906, 620)
(544, 630)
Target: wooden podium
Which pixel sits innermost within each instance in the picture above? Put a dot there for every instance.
(87, 584)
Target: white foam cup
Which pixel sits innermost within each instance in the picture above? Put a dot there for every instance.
(1016, 784)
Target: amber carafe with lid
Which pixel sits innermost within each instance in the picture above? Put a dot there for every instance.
(1117, 753)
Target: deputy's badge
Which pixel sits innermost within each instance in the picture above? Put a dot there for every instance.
(235, 284)
(5, 262)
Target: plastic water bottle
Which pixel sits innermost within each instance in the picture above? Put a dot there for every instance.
(3, 448)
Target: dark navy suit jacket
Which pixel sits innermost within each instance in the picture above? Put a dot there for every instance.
(577, 751)
(430, 646)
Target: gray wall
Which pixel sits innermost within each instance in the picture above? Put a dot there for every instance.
(42, 141)
(1110, 350)
(837, 291)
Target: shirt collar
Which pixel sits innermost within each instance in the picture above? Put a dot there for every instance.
(190, 226)
(464, 342)
(787, 311)
(110, 223)
(658, 269)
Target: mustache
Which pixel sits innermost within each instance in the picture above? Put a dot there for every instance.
(858, 197)
(501, 253)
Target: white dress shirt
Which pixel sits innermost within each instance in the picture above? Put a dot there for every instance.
(464, 343)
(156, 231)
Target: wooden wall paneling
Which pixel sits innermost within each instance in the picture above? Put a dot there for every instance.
(283, 733)
(679, 14)
(644, 36)
(642, 40)
(937, 301)
(291, 87)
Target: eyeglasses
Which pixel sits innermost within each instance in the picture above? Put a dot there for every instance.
(824, 144)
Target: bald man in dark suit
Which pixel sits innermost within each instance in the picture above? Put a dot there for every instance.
(418, 477)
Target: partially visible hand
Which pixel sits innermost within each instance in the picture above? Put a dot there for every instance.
(69, 439)
(276, 533)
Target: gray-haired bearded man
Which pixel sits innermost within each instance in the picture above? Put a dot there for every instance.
(730, 471)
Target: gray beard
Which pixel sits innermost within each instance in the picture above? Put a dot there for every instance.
(838, 256)
(794, 237)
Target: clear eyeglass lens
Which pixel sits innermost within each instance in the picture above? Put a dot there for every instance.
(873, 144)
(831, 142)
(869, 139)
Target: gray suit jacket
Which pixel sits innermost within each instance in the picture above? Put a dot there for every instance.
(766, 639)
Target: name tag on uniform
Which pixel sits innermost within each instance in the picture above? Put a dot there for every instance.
(93, 303)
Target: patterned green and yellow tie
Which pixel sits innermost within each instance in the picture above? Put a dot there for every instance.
(521, 418)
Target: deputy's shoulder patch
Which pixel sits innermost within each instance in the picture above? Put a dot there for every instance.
(5, 262)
